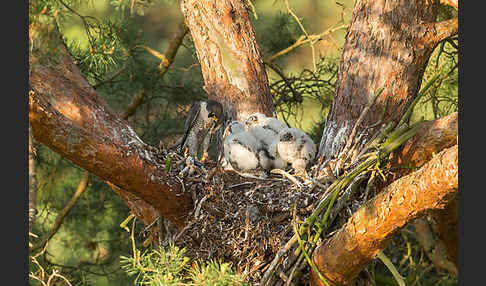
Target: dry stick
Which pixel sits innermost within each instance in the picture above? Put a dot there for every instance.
(60, 217)
(305, 32)
(134, 104)
(304, 40)
(355, 127)
(277, 258)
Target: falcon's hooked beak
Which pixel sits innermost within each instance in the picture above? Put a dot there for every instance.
(213, 116)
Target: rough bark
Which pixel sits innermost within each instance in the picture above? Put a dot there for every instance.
(388, 45)
(343, 256)
(231, 64)
(439, 240)
(69, 117)
(431, 138)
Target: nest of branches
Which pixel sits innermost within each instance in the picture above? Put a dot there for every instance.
(269, 227)
(242, 219)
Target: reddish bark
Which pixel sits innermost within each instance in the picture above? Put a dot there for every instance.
(356, 244)
(231, 63)
(388, 45)
(431, 138)
(69, 117)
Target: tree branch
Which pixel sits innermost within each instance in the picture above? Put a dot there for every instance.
(69, 117)
(439, 31)
(82, 186)
(367, 232)
(452, 3)
(302, 40)
(174, 45)
(432, 137)
(434, 248)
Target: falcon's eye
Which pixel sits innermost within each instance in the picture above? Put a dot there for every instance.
(286, 137)
(211, 114)
(253, 118)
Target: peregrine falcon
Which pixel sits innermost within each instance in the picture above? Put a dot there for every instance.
(295, 147)
(240, 149)
(203, 118)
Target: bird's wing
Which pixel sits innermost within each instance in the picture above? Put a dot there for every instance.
(190, 120)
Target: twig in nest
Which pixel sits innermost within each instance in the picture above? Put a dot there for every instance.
(240, 184)
(288, 176)
(150, 225)
(183, 230)
(198, 208)
(350, 140)
(274, 263)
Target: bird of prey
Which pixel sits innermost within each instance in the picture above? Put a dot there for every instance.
(295, 147)
(265, 129)
(204, 117)
(240, 149)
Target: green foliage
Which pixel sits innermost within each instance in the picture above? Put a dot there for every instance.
(283, 25)
(297, 97)
(442, 98)
(157, 267)
(170, 266)
(214, 272)
(412, 263)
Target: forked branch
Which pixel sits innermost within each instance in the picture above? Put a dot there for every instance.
(367, 232)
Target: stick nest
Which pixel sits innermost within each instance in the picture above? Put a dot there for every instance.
(239, 219)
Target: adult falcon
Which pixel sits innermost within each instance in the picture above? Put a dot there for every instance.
(204, 117)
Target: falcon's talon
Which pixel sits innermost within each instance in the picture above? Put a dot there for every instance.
(204, 157)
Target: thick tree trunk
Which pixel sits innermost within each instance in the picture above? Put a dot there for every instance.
(367, 232)
(388, 45)
(69, 117)
(231, 63)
